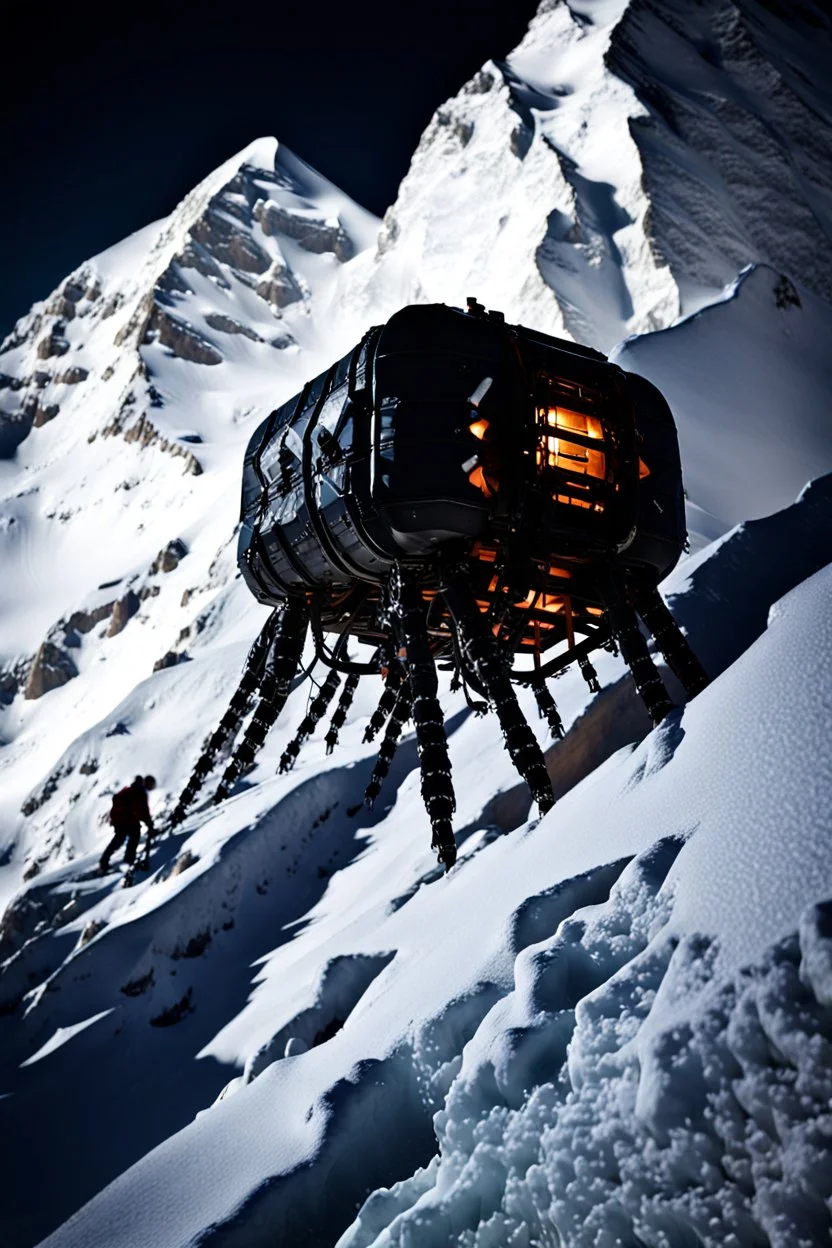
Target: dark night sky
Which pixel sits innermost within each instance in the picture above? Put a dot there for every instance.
(109, 120)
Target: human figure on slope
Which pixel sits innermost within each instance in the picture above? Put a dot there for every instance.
(127, 813)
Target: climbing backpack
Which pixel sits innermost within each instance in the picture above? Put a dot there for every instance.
(122, 808)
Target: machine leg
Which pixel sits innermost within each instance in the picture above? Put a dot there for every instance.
(548, 709)
(480, 651)
(389, 744)
(624, 624)
(229, 725)
(386, 703)
(281, 666)
(437, 790)
(589, 674)
(317, 707)
(672, 642)
(339, 715)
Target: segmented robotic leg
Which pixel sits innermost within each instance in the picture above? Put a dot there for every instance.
(317, 707)
(589, 674)
(480, 651)
(624, 625)
(409, 612)
(548, 709)
(459, 680)
(389, 744)
(672, 642)
(230, 723)
(281, 665)
(387, 701)
(340, 713)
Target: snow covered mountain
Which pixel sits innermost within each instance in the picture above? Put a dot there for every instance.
(607, 1026)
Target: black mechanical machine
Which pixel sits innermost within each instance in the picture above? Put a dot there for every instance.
(462, 492)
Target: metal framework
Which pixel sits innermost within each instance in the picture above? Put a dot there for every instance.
(464, 493)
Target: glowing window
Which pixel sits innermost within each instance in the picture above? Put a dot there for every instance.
(561, 452)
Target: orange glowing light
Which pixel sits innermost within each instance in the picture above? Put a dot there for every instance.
(529, 600)
(565, 454)
(479, 428)
(562, 452)
(578, 422)
(485, 554)
(643, 470)
(564, 573)
(575, 502)
(478, 478)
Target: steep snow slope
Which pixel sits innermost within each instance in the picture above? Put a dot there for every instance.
(617, 170)
(746, 379)
(623, 164)
(616, 983)
(139, 382)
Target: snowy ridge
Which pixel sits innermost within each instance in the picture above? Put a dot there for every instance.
(763, 350)
(620, 168)
(181, 339)
(609, 1023)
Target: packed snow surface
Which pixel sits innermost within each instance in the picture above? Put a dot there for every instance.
(609, 1026)
(587, 1010)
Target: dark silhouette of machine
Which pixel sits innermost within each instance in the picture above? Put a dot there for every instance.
(462, 492)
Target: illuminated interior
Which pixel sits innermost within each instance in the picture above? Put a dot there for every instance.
(556, 449)
(573, 459)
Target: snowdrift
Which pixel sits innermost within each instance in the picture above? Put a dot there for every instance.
(622, 980)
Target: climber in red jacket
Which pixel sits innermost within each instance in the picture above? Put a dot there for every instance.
(128, 812)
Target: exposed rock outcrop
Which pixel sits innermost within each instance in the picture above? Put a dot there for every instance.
(180, 338)
(311, 232)
(41, 413)
(54, 343)
(228, 243)
(170, 557)
(227, 325)
(83, 620)
(279, 287)
(195, 256)
(71, 376)
(8, 688)
(146, 434)
(171, 659)
(143, 431)
(123, 611)
(12, 678)
(51, 668)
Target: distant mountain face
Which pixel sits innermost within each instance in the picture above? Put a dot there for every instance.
(613, 174)
(624, 163)
(245, 256)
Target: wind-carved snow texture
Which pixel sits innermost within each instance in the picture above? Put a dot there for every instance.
(601, 1023)
(637, 155)
(531, 986)
(737, 97)
(573, 1122)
